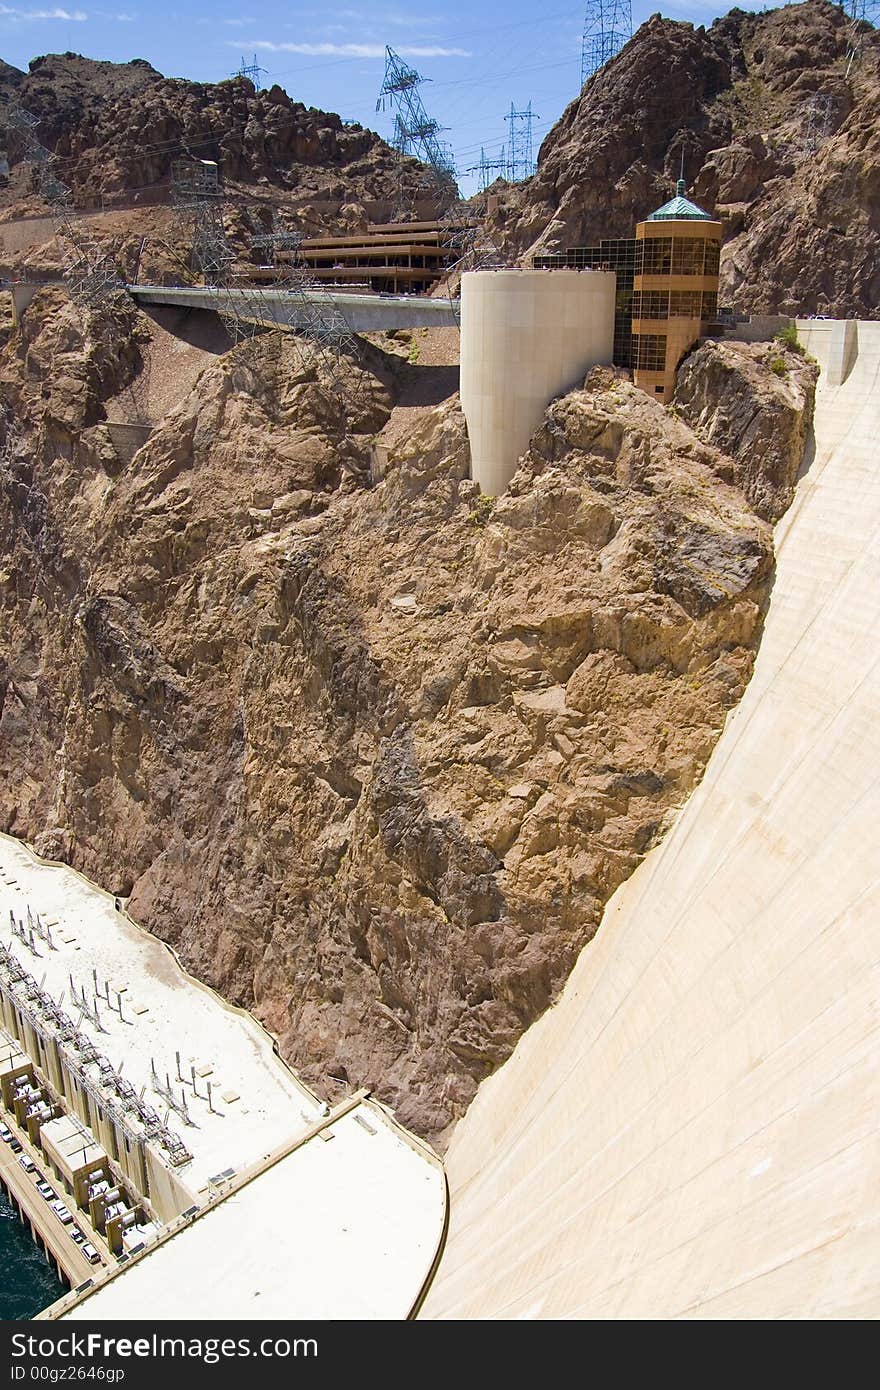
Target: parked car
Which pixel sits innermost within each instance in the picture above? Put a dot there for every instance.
(15, 1145)
(27, 1164)
(91, 1253)
(76, 1234)
(5, 1134)
(46, 1191)
(61, 1211)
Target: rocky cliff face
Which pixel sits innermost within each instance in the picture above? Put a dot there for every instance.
(755, 405)
(780, 133)
(372, 757)
(116, 128)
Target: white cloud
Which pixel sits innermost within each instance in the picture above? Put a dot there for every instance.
(351, 50)
(397, 17)
(8, 12)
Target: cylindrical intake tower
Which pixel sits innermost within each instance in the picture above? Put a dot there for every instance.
(526, 336)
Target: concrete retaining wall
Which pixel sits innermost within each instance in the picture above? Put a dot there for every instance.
(127, 439)
(759, 329)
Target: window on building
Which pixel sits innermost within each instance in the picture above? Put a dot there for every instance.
(650, 351)
(687, 255)
(713, 258)
(685, 304)
(656, 257)
(650, 304)
(710, 305)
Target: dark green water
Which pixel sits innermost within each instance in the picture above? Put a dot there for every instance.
(28, 1282)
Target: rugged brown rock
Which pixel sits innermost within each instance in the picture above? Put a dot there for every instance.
(780, 134)
(754, 403)
(116, 128)
(372, 757)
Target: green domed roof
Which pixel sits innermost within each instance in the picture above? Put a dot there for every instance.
(679, 208)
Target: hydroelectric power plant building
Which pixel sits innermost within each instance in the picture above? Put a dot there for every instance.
(178, 1148)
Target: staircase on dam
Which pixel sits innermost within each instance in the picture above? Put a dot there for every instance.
(690, 1131)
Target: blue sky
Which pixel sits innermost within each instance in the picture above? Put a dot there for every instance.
(480, 56)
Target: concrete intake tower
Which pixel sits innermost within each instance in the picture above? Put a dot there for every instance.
(526, 337)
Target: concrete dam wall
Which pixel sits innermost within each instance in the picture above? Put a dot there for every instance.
(690, 1131)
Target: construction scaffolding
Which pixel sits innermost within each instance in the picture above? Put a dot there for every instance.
(607, 27)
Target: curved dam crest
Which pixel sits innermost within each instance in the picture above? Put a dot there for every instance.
(690, 1131)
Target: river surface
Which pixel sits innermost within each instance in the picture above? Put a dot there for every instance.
(28, 1283)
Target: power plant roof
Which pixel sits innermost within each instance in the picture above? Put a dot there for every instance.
(258, 1104)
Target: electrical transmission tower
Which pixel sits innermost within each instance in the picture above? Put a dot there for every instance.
(319, 318)
(197, 198)
(246, 311)
(607, 27)
(520, 160)
(858, 12)
(865, 10)
(253, 71)
(490, 169)
(415, 132)
(89, 272)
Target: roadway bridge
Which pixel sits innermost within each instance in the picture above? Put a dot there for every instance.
(362, 313)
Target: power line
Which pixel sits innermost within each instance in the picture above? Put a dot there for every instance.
(537, 22)
(490, 169)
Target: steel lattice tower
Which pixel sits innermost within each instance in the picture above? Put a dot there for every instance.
(607, 27)
(490, 169)
(89, 271)
(253, 71)
(520, 159)
(415, 132)
(865, 10)
(859, 12)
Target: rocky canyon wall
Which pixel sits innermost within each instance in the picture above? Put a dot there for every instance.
(372, 757)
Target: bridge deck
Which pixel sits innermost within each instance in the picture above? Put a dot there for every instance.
(363, 314)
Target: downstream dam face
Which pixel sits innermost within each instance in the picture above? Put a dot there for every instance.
(691, 1130)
